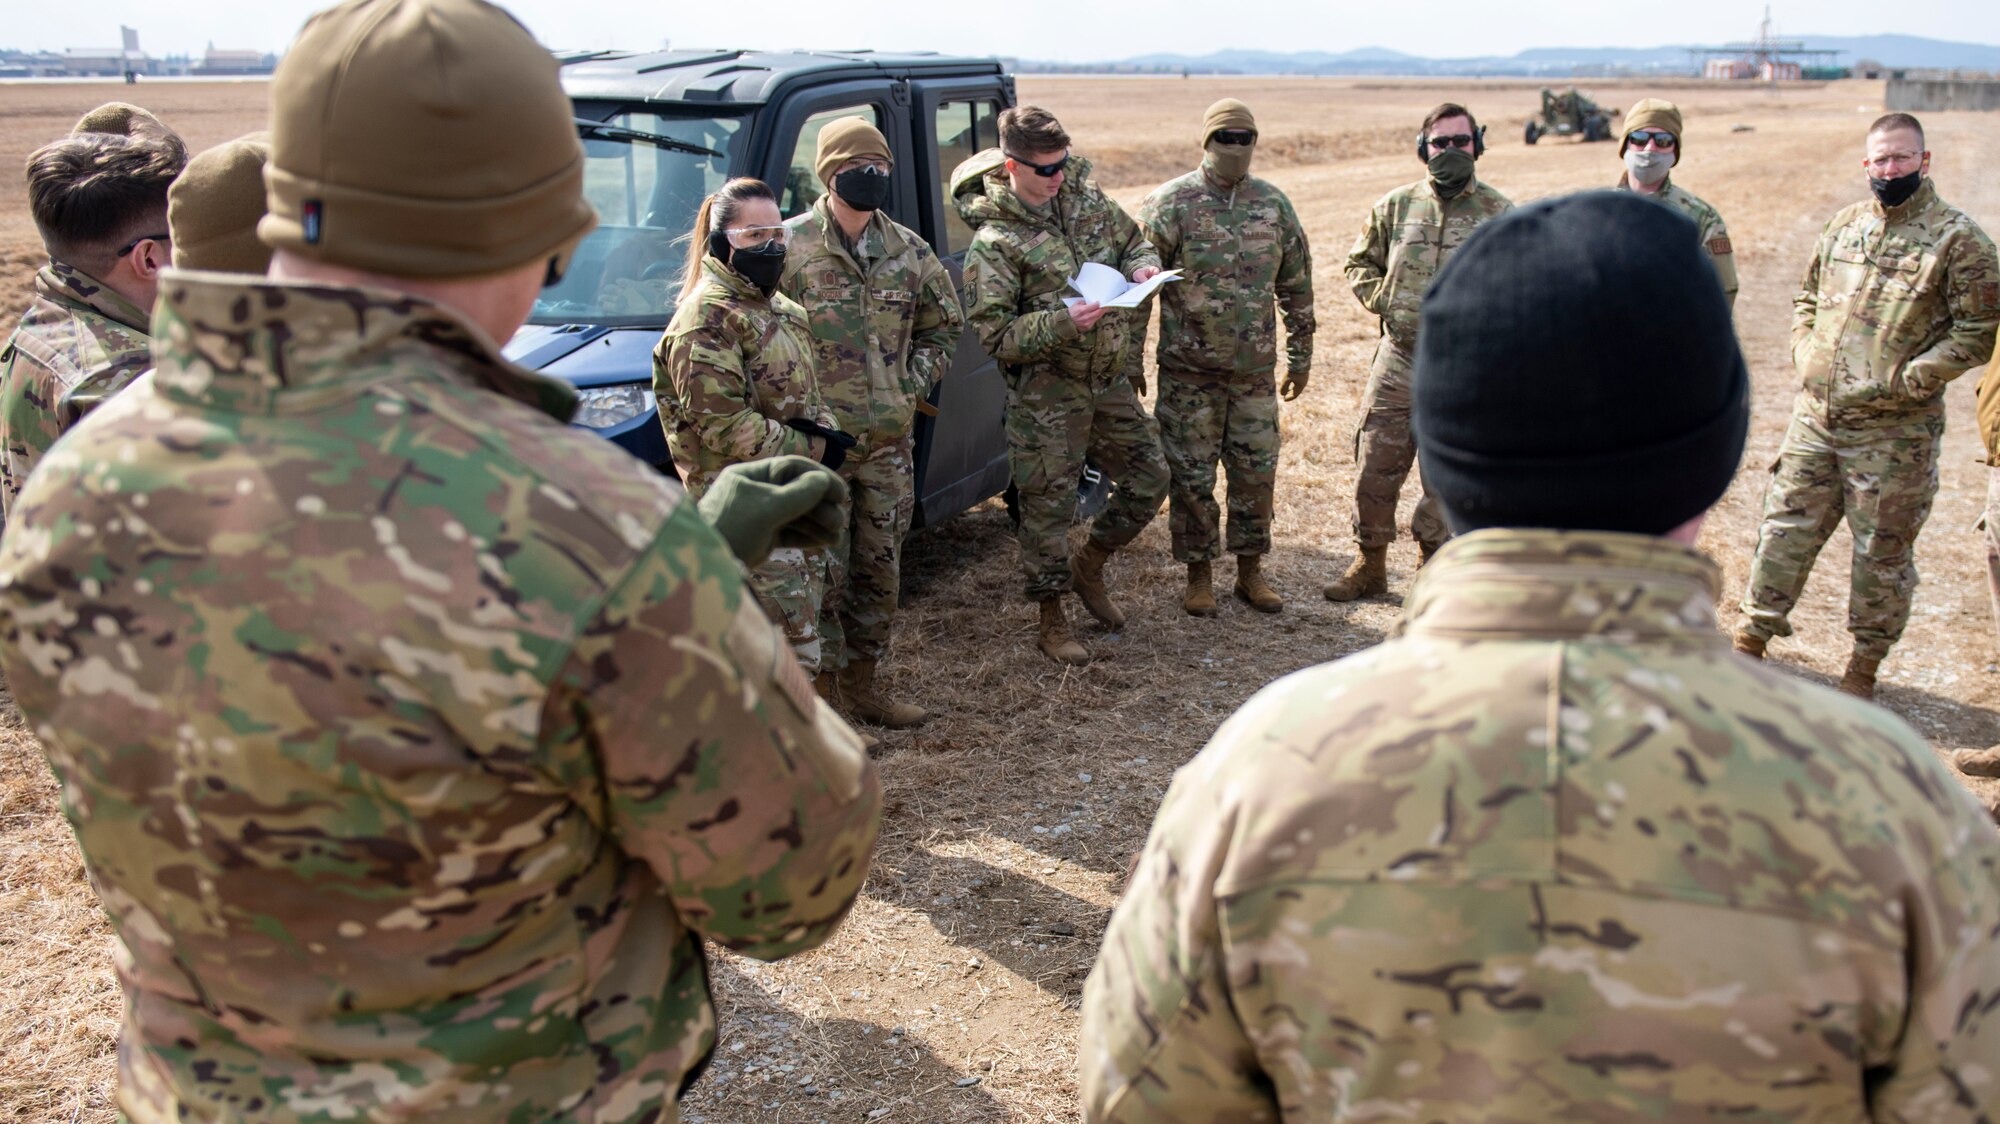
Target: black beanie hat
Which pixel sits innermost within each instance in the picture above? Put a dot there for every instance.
(1577, 369)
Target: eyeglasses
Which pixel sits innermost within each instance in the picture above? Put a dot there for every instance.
(1656, 137)
(1042, 170)
(756, 237)
(880, 167)
(133, 244)
(1456, 140)
(1234, 136)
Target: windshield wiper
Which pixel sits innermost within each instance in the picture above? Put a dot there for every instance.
(604, 131)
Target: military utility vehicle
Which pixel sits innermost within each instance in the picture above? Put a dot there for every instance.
(1570, 114)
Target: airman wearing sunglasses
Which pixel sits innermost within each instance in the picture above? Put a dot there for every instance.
(1411, 233)
(99, 201)
(1651, 147)
(1242, 248)
(1037, 218)
(1902, 296)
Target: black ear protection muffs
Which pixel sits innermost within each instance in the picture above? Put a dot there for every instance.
(1478, 144)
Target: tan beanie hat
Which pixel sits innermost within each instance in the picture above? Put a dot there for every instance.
(117, 118)
(1226, 114)
(843, 140)
(422, 138)
(213, 208)
(1654, 113)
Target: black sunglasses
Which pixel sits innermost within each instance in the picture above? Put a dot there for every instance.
(1660, 138)
(1042, 170)
(1234, 136)
(1456, 140)
(129, 246)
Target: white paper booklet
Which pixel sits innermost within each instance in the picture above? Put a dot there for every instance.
(1108, 287)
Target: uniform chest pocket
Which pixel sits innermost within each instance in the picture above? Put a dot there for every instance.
(892, 296)
(1906, 273)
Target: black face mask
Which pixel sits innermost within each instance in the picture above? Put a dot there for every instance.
(761, 268)
(865, 188)
(1896, 192)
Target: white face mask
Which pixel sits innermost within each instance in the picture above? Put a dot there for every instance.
(1648, 166)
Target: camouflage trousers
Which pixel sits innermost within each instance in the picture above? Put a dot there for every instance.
(1054, 422)
(1882, 480)
(1232, 418)
(791, 585)
(882, 487)
(1991, 524)
(1384, 450)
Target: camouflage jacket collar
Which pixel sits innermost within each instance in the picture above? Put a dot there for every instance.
(1925, 195)
(888, 241)
(254, 346)
(983, 194)
(736, 286)
(67, 285)
(1513, 583)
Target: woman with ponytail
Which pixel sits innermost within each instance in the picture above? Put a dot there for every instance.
(734, 378)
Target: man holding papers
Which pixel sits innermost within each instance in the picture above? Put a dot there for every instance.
(1243, 248)
(1038, 222)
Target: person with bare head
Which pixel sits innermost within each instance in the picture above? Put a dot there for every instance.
(1038, 218)
(99, 201)
(1902, 296)
(1411, 233)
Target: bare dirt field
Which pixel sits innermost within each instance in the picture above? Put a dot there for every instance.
(952, 993)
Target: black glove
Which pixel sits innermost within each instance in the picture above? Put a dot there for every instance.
(837, 443)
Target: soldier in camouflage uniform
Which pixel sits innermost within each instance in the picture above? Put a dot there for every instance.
(99, 201)
(1986, 762)
(414, 740)
(1037, 218)
(1651, 147)
(1410, 235)
(1552, 852)
(885, 320)
(1241, 246)
(733, 374)
(1901, 297)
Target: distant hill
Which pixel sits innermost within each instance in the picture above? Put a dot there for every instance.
(1895, 51)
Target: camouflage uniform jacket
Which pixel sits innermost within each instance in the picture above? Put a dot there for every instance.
(1714, 235)
(730, 368)
(78, 344)
(883, 332)
(1895, 305)
(1554, 853)
(1240, 247)
(1410, 234)
(1018, 268)
(413, 739)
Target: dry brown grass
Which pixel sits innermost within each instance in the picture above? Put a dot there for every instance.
(966, 957)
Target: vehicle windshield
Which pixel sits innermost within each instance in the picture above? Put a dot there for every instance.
(646, 186)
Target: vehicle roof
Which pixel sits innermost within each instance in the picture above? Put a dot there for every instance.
(745, 78)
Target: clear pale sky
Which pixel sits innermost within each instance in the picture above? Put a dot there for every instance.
(1077, 30)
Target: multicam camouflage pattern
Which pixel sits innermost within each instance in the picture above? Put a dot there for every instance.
(1018, 267)
(1989, 523)
(1241, 248)
(1410, 234)
(1882, 480)
(78, 344)
(730, 368)
(1067, 396)
(1895, 304)
(1233, 419)
(1554, 853)
(885, 321)
(413, 739)
(1385, 448)
(1714, 235)
(1053, 423)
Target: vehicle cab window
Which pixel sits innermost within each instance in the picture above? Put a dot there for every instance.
(801, 188)
(963, 129)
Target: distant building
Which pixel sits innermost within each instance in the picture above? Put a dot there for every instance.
(1728, 68)
(104, 62)
(224, 63)
(1870, 69)
(1774, 71)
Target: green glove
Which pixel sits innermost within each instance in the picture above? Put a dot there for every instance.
(783, 501)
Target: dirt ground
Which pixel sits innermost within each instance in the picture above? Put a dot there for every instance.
(952, 993)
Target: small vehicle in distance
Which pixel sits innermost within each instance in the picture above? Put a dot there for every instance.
(1570, 114)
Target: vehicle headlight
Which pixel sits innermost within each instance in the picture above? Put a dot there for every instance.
(601, 407)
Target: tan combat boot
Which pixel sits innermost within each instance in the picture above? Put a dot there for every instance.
(1751, 644)
(857, 690)
(1978, 762)
(1251, 587)
(828, 689)
(1056, 641)
(1367, 576)
(1859, 680)
(1199, 600)
(1086, 576)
